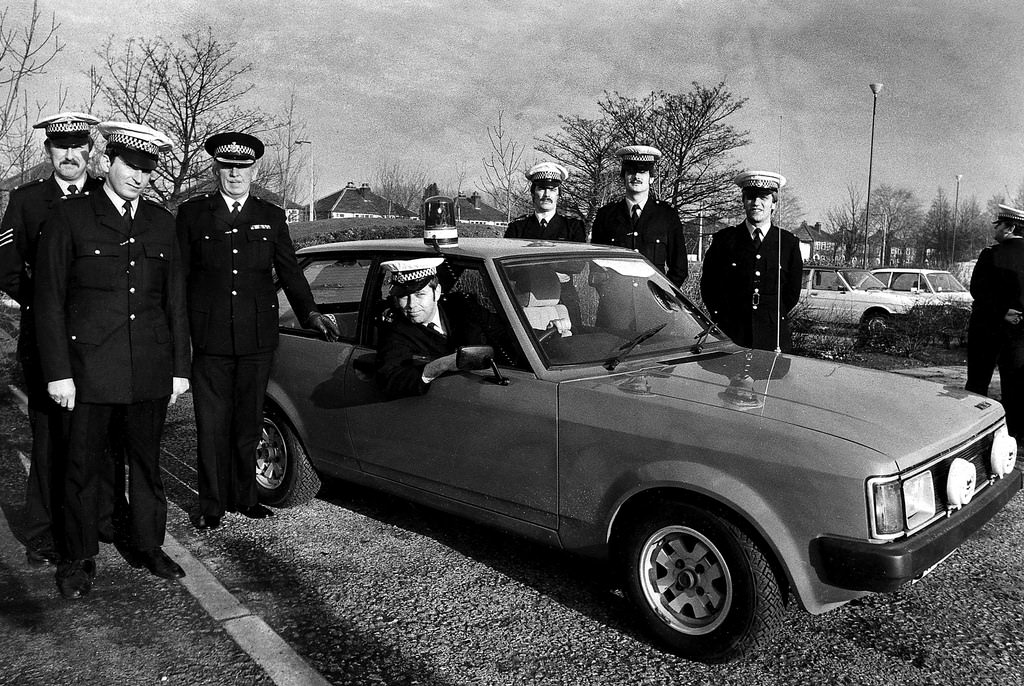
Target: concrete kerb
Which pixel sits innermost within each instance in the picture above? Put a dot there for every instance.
(271, 652)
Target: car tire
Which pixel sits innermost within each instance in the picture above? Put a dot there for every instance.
(875, 323)
(284, 475)
(704, 588)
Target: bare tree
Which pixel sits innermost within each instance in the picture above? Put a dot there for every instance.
(188, 90)
(504, 181)
(846, 223)
(896, 213)
(791, 208)
(281, 167)
(586, 147)
(25, 51)
(935, 237)
(400, 183)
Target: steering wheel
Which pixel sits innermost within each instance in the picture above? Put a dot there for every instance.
(548, 333)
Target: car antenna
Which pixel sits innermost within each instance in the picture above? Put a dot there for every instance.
(778, 258)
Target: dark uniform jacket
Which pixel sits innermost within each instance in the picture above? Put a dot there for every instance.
(232, 298)
(658, 235)
(731, 273)
(29, 206)
(110, 301)
(406, 347)
(560, 228)
(997, 283)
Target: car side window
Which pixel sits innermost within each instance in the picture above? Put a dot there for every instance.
(905, 282)
(826, 280)
(337, 287)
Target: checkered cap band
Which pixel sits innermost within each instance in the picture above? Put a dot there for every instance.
(537, 176)
(756, 182)
(64, 127)
(133, 143)
(416, 275)
(235, 150)
(638, 157)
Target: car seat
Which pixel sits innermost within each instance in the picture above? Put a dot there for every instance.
(538, 291)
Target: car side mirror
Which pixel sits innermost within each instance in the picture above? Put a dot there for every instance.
(472, 357)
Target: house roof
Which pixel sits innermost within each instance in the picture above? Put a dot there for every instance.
(359, 200)
(473, 209)
(256, 189)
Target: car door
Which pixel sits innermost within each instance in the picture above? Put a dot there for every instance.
(827, 297)
(468, 440)
(308, 378)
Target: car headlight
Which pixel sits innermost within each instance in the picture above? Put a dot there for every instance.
(960, 483)
(901, 505)
(1003, 456)
(919, 499)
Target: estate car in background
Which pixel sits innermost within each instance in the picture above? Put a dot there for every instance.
(847, 296)
(929, 285)
(718, 482)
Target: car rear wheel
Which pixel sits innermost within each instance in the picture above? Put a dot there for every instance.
(704, 589)
(284, 476)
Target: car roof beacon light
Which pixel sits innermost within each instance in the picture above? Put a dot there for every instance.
(439, 222)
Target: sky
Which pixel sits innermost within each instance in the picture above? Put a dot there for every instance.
(420, 82)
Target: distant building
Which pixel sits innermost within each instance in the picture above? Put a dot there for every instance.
(353, 201)
(473, 210)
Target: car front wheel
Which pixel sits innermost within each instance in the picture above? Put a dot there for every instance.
(704, 588)
(284, 476)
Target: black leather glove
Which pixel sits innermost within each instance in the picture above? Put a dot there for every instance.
(326, 325)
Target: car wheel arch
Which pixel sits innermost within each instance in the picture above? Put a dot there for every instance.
(778, 550)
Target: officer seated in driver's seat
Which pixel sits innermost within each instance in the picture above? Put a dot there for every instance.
(423, 329)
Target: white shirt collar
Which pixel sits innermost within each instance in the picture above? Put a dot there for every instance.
(118, 201)
(63, 185)
(230, 202)
(751, 228)
(545, 216)
(630, 203)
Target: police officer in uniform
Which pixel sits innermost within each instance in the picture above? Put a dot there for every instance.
(639, 220)
(233, 243)
(740, 279)
(998, 289)
(545, 223)
(113, 335)
(985, 329)
(68, 146)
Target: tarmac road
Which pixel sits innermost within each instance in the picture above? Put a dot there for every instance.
(367, 589)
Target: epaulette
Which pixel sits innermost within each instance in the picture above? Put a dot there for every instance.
(520, 218)
(197, 198)
(266, 202)
(154, 203)
(28, 184)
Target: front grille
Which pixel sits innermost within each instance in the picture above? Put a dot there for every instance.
(977, 453)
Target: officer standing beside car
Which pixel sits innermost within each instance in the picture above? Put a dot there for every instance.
(640, 221)
(68, 146)
(544, 223)
(113, 337)
(997, 285)
(985, 335)
(750, 279)
(233, 244)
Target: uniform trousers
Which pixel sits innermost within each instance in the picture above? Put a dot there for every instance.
(90, 462)
(50, 424)
(1011, 381)
(984, 342)
(228, 391)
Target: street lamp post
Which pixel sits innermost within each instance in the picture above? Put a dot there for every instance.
(956, 210)
(875, 88)
(312, 193)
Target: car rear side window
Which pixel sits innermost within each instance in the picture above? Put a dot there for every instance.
(337, 287)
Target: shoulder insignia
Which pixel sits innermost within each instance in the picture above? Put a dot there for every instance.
(266, 202)
(76, 196)
(154, 204)
(28, 184)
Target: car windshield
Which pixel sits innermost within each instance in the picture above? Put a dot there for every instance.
(590, 309)
(944, 282)
(862, 279)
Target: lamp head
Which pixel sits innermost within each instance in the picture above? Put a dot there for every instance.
(875, 87)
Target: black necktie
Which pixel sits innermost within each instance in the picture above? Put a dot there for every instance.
(757, 239)
(235, 209)
(127, 215)
(543, 223)
(72, 189)
(636, 215)
(435, 328)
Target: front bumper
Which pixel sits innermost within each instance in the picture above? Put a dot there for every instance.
(882, 567)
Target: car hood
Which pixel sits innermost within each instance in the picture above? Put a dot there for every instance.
(905, 419)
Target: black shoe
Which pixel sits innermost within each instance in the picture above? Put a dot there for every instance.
(74, 579)
(133, 556)
(157, 562)
(203, 522)
(256, 511)
(41, 557)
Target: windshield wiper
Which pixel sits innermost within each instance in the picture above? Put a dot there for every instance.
(627, 347)
(702, 336)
